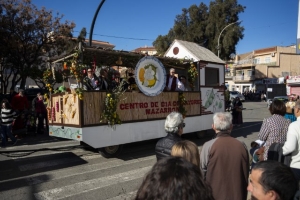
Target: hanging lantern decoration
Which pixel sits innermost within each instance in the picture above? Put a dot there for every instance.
(119, 62)
(65, 66)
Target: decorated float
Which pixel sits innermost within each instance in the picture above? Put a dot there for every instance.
(105, 120)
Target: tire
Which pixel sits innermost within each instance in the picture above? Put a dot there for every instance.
(111, 151)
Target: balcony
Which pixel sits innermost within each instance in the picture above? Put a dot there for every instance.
(240, 78)
(228, 75)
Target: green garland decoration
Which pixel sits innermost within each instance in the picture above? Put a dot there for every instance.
(181, 102)
(192, 75)
(112, 99)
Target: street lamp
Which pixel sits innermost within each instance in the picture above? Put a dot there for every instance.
(93, 22)
(221, 34)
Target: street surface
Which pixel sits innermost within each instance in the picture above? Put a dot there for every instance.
(43, 167)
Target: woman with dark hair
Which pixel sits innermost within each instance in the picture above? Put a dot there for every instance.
(174, 178)
(7, 118)
(274, 128)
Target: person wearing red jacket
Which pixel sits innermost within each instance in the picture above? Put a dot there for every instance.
(20, 105)
(20, 102)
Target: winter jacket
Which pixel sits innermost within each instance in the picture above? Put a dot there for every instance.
(164, 145)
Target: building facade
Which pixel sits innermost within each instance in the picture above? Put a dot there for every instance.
(146, 50)
(255, 70)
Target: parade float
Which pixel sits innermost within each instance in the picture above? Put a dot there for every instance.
(105, 120)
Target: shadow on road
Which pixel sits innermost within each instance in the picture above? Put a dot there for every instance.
(11, 174)
(248, 128)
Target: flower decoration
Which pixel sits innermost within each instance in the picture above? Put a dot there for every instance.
(48, 79)
(192, 75)
(147, 75)
(110, 106)
(181, 102)
(76, 69)
(79, 92)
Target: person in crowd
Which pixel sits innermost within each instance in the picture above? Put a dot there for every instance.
(41, 113)
(187, 150)
(8, 115)
(263, 96)
(289, 110)
(255, 145)
(225, 158)
(91, 81)
(20, 105)
(174, 178)
(174, 128)
(272, 180)
(237, 114)
(33, 108)
(103, 80)
(274, 128)
(172, 82)
(227, 99)
(20, 102)
(115, 81)
(292, 144)
(131, 79)
(185, 85)
(34, 101)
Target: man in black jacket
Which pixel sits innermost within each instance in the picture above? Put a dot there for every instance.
(174, 127)
(91, 81)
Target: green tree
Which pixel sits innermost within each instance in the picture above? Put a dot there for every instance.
(222, 13)
(203, 25)
(28, 36)
(162, 43)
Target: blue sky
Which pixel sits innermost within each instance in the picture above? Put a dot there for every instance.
(267, 23)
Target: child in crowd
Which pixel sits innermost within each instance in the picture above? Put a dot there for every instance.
(7, 119)
(255, 145)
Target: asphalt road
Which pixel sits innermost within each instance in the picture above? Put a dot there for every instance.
(43, 167)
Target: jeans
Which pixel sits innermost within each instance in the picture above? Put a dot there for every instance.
(6, 132)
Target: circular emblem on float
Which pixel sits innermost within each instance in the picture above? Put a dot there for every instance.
(150, 76)
(175, 50)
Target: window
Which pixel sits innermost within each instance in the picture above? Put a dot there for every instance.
(267, 59)
(249, 72)
(257, 61)
(211, 76)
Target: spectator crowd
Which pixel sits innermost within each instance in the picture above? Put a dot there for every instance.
(19, 117)
(225, 169)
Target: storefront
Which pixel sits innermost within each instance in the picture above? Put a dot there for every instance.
(293, 85)
(242, 87)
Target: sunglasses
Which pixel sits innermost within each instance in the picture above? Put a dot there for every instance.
(183, 125)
